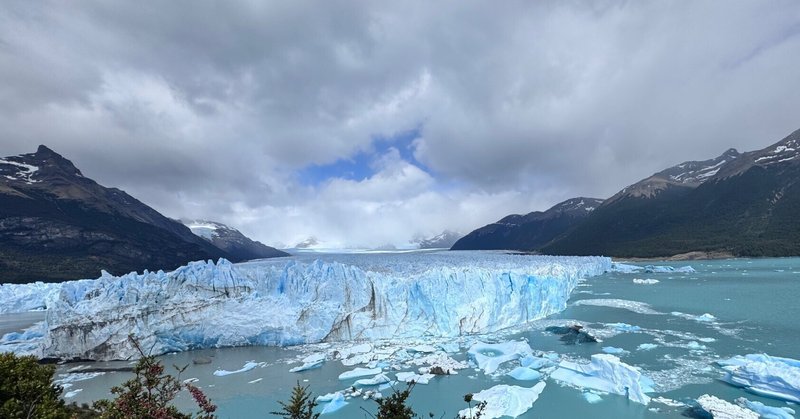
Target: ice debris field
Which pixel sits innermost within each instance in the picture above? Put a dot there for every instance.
(391, 320)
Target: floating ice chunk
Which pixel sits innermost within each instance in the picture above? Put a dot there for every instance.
(769, 376)
(425, 349)
(374, 381)
(668, 269)
(614, 350)
(72, 393)
(625, 268)
(634, 306)
(310, 362)
(335, 402)
(536, 362)
(720, 409)
(767, 412)
(247, 367)
(592, 397)
(408, 377)
(606, 373)
(646, 347)
(704, 318)
(624, 327)
(449, 347)
(525, 374)
(359, 372)
(504, 400)
(645, 281)
(696, 346)
(489, 356)
(668, 402)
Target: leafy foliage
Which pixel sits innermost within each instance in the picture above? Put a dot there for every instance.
(300, 406)
(150, 394)
(477, 413)
(394, 406)
(27, 389)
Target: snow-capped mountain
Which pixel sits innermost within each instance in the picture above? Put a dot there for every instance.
(231, 240)
(744, 204)
(444, 240)
(56, 224)
(529, 231)
(690, 174)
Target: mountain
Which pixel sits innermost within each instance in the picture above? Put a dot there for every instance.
(56, 224)
(741, 204)
(231, 240)
(530, 231)
(445, 240)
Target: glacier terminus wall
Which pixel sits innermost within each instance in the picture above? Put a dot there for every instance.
(309, 299)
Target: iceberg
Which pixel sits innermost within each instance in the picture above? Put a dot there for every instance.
(247, 367)
(334, 403)
(765, 375)
(489, 356)
(767, 412)
(614, 350)
(608, 374)
(374, 381)
(359, 372)
(720, 409)
(310, 362)
(525, 374)
(408, 377)
(504, 400)
(296, 301)
(645, 281)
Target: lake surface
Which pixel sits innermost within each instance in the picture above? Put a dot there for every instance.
(755, 303)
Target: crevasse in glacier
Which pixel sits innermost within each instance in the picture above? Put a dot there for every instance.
(286, 302)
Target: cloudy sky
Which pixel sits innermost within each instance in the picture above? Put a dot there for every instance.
(368, 123)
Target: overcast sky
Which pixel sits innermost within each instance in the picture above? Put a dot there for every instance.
(368, 123)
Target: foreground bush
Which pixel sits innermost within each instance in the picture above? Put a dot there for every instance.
(150, 394)
(27, 389)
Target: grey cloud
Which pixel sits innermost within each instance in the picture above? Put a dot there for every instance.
(208, 109)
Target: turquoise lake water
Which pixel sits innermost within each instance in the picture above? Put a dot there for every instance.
(756, 304)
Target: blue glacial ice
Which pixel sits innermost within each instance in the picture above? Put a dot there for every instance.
(206, 304)
(247, 367)
(525, 374)
(333, 402)
(767, 412)
(504, 400)
(608, 374)
(489, 356)
(359, 372)
(765, 375)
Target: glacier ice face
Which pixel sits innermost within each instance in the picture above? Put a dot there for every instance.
(606, 373)
(769, 376)
(296, 301)
(504, 400)
(18, 298)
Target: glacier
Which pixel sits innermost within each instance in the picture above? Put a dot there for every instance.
(319, 298)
